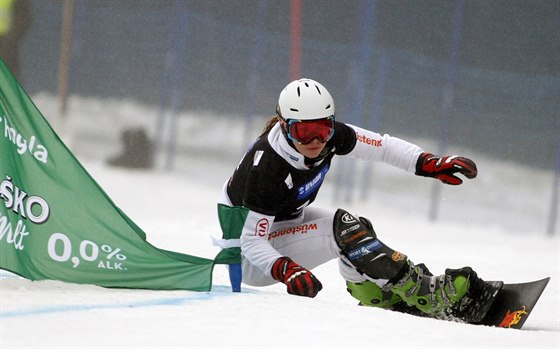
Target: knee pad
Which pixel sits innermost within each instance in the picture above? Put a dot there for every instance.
(369, 293)
(359, 244)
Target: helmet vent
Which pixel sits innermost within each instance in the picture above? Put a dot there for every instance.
(318, 90)
(298, 92)
(294, 109)
(328, 107)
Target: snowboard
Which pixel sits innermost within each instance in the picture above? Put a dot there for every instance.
(514, 303)
(499, 305)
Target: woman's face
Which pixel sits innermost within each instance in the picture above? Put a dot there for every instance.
(310, 150)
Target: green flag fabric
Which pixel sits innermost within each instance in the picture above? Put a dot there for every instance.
(57, 223)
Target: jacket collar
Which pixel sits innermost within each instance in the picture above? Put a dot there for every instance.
(281, 146)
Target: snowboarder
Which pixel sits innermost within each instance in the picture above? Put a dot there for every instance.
(266, 203)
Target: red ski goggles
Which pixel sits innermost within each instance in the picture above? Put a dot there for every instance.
(305, 131)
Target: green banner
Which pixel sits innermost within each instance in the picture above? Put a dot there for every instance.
(57, 223)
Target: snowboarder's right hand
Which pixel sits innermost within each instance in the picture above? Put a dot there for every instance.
(300, 281)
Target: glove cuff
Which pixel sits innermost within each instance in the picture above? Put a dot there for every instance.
(420, 165)
(279, 268)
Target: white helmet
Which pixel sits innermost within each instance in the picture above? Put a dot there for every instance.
(305, 99)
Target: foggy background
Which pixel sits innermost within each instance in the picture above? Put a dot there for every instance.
(483, 75)
(387, 63)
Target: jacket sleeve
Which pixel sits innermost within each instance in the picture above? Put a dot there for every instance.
(255, 246)
(394, 151)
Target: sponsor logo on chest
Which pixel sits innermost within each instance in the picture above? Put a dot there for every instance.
(311, 186)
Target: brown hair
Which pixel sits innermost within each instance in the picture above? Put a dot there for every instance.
(269, 125)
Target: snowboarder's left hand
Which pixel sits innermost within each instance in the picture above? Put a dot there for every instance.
(444, 168)
(299, 280)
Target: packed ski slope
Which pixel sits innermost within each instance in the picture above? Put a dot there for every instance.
(495, 223)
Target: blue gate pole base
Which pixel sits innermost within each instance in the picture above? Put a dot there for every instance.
(235, 277)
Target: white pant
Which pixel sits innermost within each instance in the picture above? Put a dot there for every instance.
(308, 240)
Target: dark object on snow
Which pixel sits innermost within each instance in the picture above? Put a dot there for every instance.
(137, 151)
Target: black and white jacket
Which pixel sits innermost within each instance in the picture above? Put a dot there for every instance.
(275, 182)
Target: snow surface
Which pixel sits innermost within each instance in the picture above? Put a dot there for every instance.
(495, 223)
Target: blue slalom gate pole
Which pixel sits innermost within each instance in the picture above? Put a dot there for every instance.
(377, 115)
(235, 276)
(234, 270)
(254, 72)
(552, 227)
(358, 77)
(179, 54)
(172, 84)
(448, 96)
(169, 62)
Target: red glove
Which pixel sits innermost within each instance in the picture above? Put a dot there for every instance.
(299, 280)
(445, 167)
